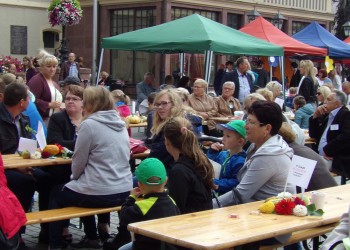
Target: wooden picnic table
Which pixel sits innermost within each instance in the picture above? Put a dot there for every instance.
(138, 125)
(215, 229)
(15, 161)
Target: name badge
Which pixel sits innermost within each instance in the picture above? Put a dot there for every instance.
(335, 127)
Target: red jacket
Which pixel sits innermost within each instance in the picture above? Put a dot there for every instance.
(12, 216)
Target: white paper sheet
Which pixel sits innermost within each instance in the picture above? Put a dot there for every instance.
(27, 144)
(40, 136)
(301, 171)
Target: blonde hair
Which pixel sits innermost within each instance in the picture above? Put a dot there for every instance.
(287, 132)
(45, 58)
(178, 109)
(324, 91)
(119, 94)
(183, 93)
(249, 99)
(267, 94)
(178, 131)
(97, 99)
(309, 70)
(8, 78)
(201, 82)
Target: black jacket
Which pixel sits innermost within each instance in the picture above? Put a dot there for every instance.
(187, 188)
(294, 81)
(153, 206)
(158, 150)
(233, 77)
(9, 135)
(308, 90)
(61, 130)
(338, 139)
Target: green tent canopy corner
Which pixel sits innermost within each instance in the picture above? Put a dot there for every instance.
(192, 34)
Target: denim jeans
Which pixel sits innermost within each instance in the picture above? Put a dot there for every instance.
(64, 197)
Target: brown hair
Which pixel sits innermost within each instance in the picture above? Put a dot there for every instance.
(76, 90)
(97, 99)
(178, 131)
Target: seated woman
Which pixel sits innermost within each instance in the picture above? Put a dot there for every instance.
(191, 178)
(226, 103)
(322, 94)
(204, 104)
(105, 79)
(265, 171)
(168, 104)
(303, 111)
(101, 175)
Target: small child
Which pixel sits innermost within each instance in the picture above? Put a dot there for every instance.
(231, 157)
(121, 104)
(155, 204)
(290, 97)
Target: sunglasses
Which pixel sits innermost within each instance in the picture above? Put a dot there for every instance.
(318, 93)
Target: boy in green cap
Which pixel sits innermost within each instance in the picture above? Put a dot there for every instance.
(230, 154)
(154, 202)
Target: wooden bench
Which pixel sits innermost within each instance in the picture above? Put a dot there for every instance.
(65, 213)
(304, 235)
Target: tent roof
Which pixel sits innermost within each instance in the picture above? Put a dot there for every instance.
(314, 34)
(263, 29)
(347, 40)
(191, 34)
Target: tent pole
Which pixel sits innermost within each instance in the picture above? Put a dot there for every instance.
(282, 75)
(208, 60)
(94, 43)
(182, 59)
(270, 72)
(100, 65)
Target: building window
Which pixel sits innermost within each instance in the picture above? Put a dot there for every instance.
(234, 21)
(130, 66)
(49, 38)
(298, 26)
(177, 13)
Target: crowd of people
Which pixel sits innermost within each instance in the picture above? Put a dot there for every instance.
(254, 151)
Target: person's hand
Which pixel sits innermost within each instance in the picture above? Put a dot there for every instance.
(55, 105)
(204, 115)
(216, 146)
(328, 158)
(27, 171)
(136, 192)
(216, 187)
(321, 110)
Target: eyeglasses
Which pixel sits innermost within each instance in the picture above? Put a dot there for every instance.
(318, 93)
(161, 104)
(250, 122)
(73, 99)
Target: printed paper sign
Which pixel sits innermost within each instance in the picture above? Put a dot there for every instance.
(27, 144)
(40, 136)
(301, 171)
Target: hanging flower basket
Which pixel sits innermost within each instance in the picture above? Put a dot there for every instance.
(64, 12)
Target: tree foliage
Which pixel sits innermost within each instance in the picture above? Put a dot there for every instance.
(342, 15)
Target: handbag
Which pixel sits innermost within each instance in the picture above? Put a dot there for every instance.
(136, 146)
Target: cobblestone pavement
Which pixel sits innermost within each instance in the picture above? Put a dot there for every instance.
(32, 231)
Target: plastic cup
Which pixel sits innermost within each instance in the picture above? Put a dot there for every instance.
(318, 199)
(239, 115)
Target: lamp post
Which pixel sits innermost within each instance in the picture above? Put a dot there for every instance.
(252, 15)
(346, 27)
(63, 50)
(278, 20)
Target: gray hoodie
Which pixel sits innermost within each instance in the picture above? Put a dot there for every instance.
(264, 173)
(100, 163)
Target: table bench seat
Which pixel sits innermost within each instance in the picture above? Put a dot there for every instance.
(65, 213)
(303, 235)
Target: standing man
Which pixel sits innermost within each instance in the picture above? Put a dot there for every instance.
(69, 68)
(330, 125)
(144, 88)
(242, 80)
(346, 89)
(296, 77)
(218, 79)
(263, 76)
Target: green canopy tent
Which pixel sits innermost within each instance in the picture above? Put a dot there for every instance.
(191, 34)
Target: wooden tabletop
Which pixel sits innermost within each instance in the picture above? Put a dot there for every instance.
(214, 229)
(222, 119)
(15, 161)
(138, 125)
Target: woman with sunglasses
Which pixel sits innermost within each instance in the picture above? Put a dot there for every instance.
(322, 94)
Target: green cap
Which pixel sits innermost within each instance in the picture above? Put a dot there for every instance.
(235, 125)
(151, 171)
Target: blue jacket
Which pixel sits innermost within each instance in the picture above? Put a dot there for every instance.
(303, 114)
(230, 165)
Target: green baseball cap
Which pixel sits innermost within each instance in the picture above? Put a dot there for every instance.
(151, 171)
(235, 125)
